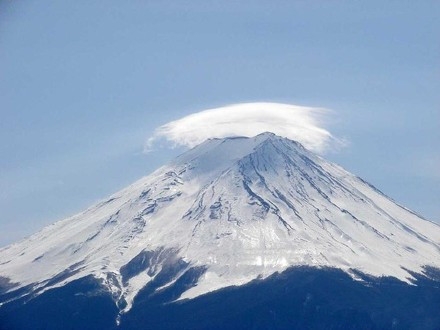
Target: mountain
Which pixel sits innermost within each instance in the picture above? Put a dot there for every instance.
(232, 222)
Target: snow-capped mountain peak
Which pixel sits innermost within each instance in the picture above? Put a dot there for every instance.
(224, 213)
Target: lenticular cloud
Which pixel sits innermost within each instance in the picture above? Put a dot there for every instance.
(298, 123)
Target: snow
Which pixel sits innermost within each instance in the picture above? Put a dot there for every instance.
(244, 208)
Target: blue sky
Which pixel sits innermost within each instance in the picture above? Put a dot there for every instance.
(83, 84)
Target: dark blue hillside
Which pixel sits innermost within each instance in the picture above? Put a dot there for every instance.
(299, 298)
(82, 304)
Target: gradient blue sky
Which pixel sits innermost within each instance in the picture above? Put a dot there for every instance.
(83, 84)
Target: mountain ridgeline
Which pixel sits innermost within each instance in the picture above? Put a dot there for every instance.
(237, 233)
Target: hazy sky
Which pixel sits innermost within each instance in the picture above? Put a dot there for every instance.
(83, 84)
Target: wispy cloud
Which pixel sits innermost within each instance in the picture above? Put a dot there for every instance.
(302, 124)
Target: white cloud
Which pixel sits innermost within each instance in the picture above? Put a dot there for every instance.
(302, 124)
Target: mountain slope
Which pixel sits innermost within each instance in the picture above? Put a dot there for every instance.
(224, 213)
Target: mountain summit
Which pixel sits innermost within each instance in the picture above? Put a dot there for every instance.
(223, 214)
